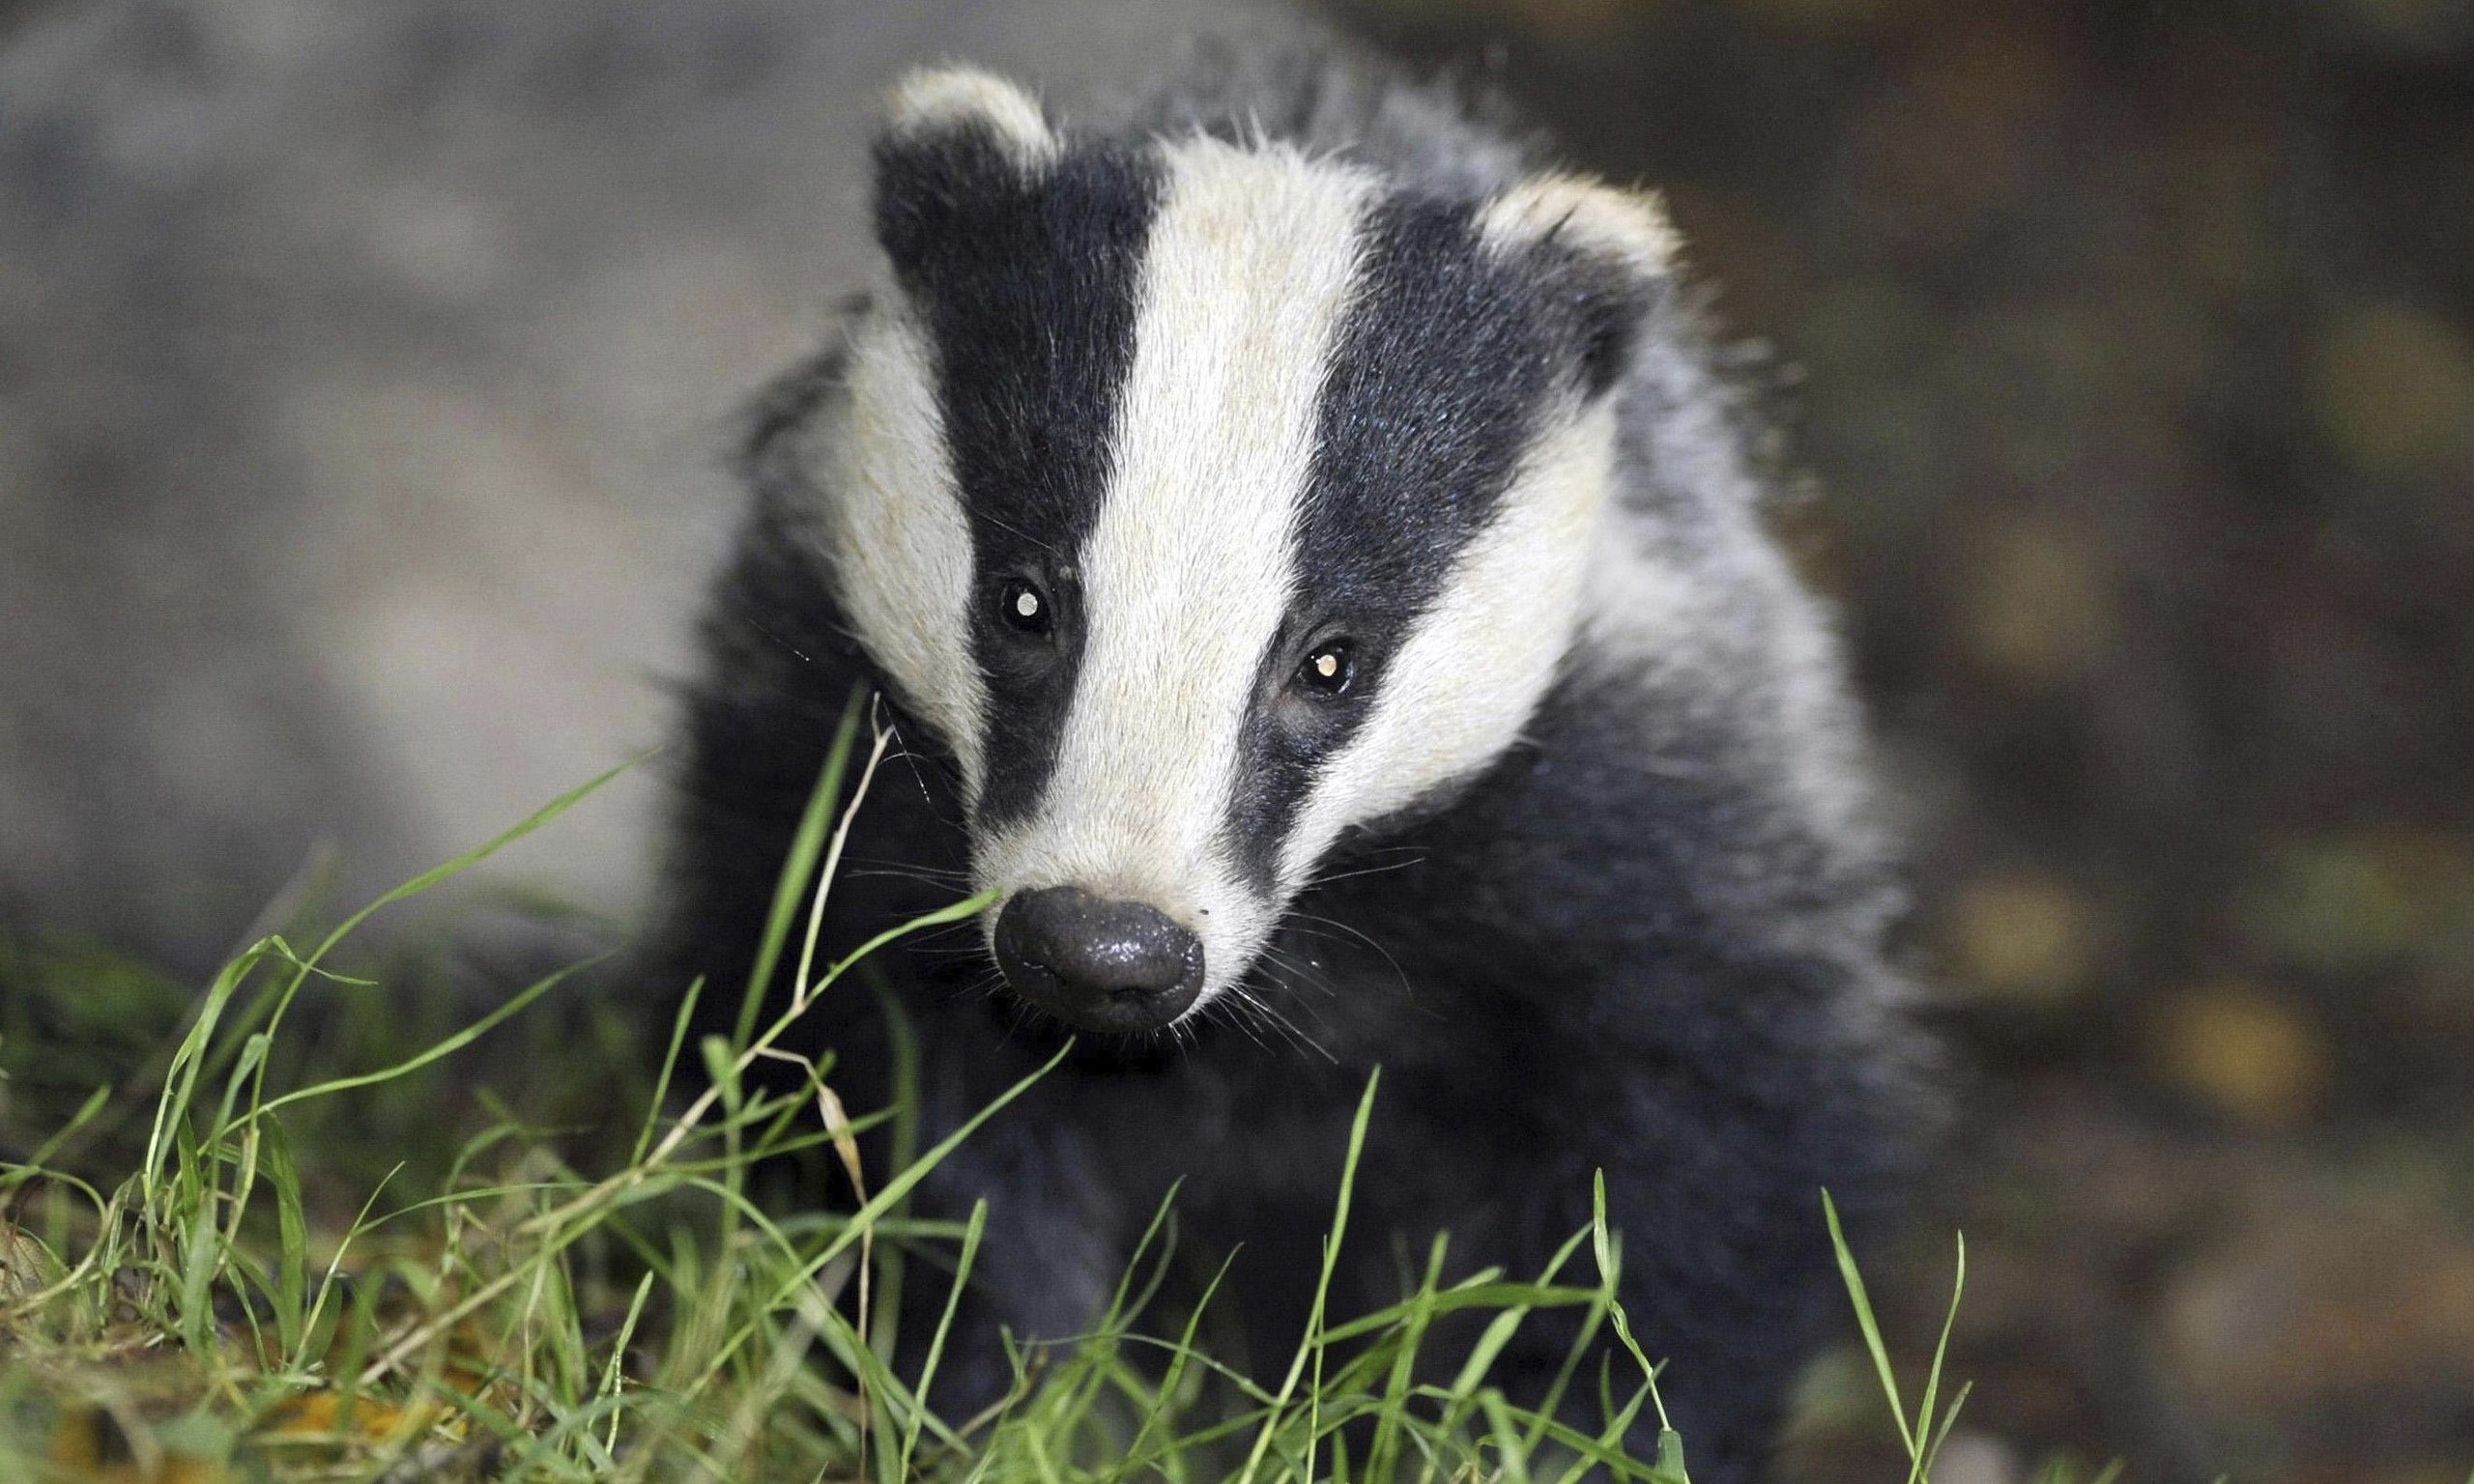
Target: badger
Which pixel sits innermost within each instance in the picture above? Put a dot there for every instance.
(1314, 564)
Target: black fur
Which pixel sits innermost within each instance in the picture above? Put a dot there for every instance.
(1641, 942)
(1027, 285)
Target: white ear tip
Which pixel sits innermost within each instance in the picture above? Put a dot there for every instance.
(940, 99)
(1630, 226)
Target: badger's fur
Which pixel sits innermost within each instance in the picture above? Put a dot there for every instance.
(1311, 543)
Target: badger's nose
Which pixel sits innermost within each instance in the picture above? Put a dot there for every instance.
(1104, 966)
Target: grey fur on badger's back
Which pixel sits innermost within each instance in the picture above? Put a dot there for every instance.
(1395, 448)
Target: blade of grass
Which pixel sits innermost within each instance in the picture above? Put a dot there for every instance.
(303, 968)
(1922, 1468)
(678, 1024)
(511, 1007)
(883, 1201)
(16, 1174)
(292, 1234)
(1312, 1342)
(807, 844)
(615, 1378)
(971, 1235)
(1872, 1330)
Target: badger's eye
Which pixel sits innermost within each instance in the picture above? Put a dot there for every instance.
(1325, 670)
(1024, 606)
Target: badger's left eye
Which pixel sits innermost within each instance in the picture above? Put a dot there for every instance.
(1024, 606)
(1325, 670)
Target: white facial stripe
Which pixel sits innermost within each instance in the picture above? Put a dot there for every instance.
(1475, 666)
(1187, 571)
(902, 545)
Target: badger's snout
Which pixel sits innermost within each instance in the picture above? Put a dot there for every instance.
(1102, 965)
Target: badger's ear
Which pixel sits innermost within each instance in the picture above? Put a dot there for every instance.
(953, 136)
(935, 104)
(1609, 254)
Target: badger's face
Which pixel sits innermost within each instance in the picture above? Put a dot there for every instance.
(1208, 500)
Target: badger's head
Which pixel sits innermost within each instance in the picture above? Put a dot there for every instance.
(1208, 500)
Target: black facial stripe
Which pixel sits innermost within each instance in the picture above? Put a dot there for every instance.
(1440, 372)
(1026, 281)
(1446, 357)
(1277, 765)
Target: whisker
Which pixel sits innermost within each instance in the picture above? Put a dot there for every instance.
(1417, 859)
(1264, 1009)
(1237, 1006)
(805, 658)
(1298, 918)
(925, 870)
(1016, 531)
(909, 755)
(1309, 972)
(891, 873)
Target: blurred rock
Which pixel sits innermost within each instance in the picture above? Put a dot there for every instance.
(1838, 1399)
(1949, 142)
(2024, 938)
(1580, 19)
(2240, 1050)
(1740, 252)
(2418, 30)
(2395, 392)
(2223, 179)
(1972, 1457)
(1839, 16)
(2327, 1300)
(2035, 610)
(2368, 901)
(1852, 332)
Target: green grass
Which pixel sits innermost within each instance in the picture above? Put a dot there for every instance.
(185, 1297)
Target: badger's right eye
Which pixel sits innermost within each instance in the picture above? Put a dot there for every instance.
(1024, 608)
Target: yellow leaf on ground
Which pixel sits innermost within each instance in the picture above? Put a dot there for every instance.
(322, 1417)
(89, 1444)
(2243, 1050)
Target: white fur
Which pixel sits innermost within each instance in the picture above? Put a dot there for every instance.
(1636, 606)
(902, 543)
(935, 100)
(1629, 227)
(1249, 269)
(1478, 663)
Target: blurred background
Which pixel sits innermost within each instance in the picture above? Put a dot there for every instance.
(364, 373)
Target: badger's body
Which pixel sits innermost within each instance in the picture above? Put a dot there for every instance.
(1320, 583)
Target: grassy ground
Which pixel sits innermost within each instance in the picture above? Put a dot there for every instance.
(285, 1251)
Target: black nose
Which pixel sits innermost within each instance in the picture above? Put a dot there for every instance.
(1104, 966)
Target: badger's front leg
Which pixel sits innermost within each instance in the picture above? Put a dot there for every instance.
(1061, 1220)
(1716, 1124)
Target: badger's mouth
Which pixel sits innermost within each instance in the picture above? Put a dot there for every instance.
(1114, 966)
